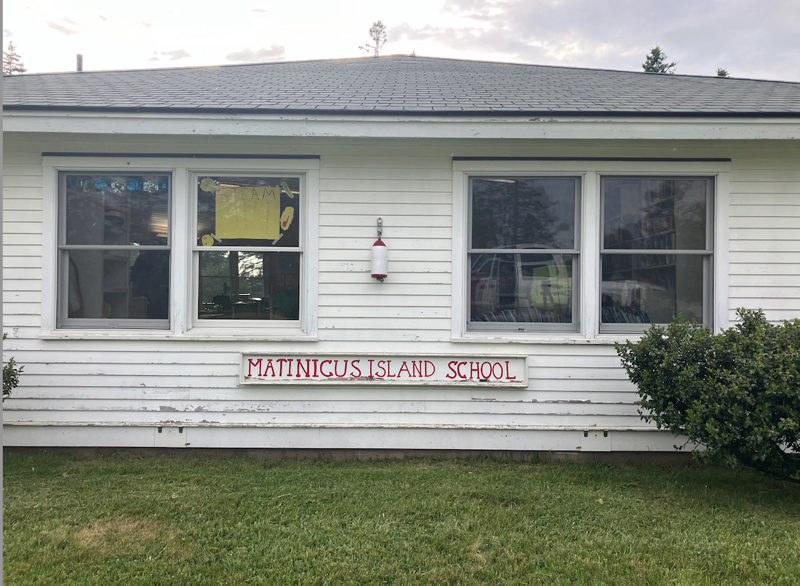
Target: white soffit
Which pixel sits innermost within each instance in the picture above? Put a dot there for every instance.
(550, 127)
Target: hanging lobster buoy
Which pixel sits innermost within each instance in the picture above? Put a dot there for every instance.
(380, 257)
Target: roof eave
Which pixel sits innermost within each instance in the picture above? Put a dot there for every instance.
(408, 124)
(401, 112)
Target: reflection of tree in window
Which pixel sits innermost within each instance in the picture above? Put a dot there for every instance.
(150, 279)
(667, 218)
(522, 213)
(508, 216)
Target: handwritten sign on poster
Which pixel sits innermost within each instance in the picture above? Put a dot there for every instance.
(248, 212)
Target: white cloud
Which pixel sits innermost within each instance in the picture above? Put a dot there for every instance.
(67, 29)
(749, 37)
(175, 55)
(272, 53)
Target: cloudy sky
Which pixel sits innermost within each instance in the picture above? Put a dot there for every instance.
(749, 38)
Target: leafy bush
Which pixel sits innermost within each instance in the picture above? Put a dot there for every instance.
(735, 394)
(10, 375)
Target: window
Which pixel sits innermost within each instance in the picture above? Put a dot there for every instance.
(113, 250)
(248, 247)
(523, 252)
(548, 249)
(656, 250)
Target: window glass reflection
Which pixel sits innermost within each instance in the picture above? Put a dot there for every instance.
(116, 209)
(523, 212)
(249, 285)
(118, 284)
(533, 288)
(651, 288)
(654, 213)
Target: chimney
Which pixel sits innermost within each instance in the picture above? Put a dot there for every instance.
(79, 62)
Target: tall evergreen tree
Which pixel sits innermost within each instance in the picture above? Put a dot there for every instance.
(656, 62)
(12, 62)
(377, 32)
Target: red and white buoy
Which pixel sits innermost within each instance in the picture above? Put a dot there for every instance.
(380, 257)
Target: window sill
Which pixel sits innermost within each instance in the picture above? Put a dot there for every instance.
(202, 335)
(248, 334)
(569, 338)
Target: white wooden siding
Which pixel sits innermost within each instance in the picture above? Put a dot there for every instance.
(73, 389)
(765, 232)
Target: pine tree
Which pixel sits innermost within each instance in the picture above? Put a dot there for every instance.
(655, 62)
(12, 62)
(377, 32)
(722, 72)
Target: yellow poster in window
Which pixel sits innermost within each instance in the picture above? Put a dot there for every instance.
(248, 212)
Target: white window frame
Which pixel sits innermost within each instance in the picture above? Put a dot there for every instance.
(590, 170)
(62, 278)
(230, 325)
(182, 236)
(574, 252)
(707, 253)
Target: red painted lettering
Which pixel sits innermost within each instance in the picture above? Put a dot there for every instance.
(416, 368)
(384, 369)
(253, 363)
(508, 373)
(322, 364)
(461, 374)
(404, 368)
(356, 368)
(336, 368)
(474, 370)
(306, 370)
(281, 362)
(452, 368)
(430, 369)
(497, 370)
(269, 369)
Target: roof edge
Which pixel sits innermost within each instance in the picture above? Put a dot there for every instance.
(401, 113)
(363, 58)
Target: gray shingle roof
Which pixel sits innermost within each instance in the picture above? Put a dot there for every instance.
(401, 85)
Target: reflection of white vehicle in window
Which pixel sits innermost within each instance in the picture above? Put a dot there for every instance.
(637, 301)
(523, 287)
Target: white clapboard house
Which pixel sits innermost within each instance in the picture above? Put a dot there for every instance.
(189, 254)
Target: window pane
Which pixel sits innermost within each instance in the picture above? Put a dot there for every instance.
(117, 209)
(248, 211)
(523, 212)
(521, 288)
(645, 288)
(249, 285)
(654, 213)
(118, 284)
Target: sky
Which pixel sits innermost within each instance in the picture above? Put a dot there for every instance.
(749, 38)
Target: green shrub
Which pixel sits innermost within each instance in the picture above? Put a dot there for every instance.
(735, 394)
(10, 375)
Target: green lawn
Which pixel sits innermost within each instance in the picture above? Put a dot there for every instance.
(197, 519)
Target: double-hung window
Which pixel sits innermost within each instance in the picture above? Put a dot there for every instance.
(113, 250)
(656, 250)
(523, 252)
(585, 247)
(197, 247)
(248, 247)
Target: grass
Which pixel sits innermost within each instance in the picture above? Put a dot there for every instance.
(161, 519)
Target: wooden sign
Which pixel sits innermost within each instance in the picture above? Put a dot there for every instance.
(306, 369)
